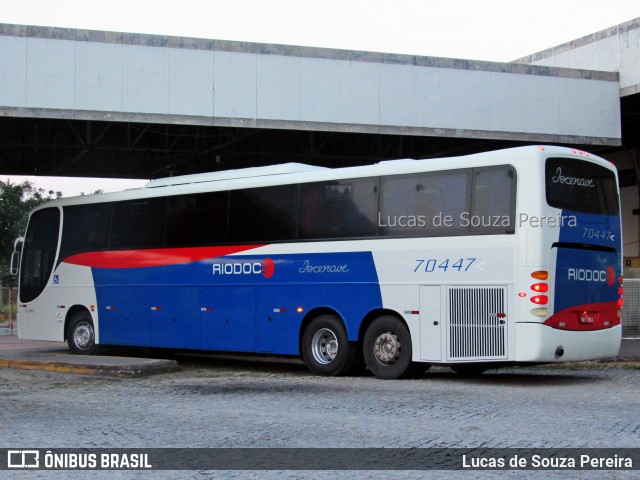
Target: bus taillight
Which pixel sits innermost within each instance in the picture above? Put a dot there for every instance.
(540, 287)
(620, 299)
(540, 299)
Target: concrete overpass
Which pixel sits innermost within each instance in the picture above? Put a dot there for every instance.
(78, 102)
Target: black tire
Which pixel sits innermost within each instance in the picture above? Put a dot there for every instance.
(359, 366)
(387, 348)
(325, 347)
(416, 370)
(81, 337)
(469, 370)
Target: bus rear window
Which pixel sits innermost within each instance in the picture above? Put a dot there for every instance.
(580, 186)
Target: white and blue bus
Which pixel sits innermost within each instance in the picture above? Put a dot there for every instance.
(510, 257)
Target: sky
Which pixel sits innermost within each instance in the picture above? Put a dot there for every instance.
(493, 30)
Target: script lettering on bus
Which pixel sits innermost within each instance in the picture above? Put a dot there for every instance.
(307, 267)
(577, 181)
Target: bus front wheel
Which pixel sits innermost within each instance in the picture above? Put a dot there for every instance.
(325, 347)
(387, 348)
(81, 336)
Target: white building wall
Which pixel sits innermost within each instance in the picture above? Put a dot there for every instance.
(101, 75)
(612, 50)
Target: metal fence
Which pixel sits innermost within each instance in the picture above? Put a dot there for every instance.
(631, 308)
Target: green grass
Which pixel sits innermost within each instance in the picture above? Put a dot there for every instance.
(9, 314)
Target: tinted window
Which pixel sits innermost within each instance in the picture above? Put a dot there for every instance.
(581, 186)
(338, 209)
(196, 219)
(493, 200)
(425, 204)
(263, 214)
(138, 223)
(86, 228)
(39, 252)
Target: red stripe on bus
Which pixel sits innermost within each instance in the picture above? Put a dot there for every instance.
(154, 257)
(591, 316)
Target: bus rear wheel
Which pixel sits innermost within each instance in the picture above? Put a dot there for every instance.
(81, 337)
(325, 347)
(387, 348)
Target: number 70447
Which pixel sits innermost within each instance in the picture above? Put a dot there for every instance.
(443, 265)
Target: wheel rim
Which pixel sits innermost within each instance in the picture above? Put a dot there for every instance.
(324, 346)
(386, 348)
(83, 335)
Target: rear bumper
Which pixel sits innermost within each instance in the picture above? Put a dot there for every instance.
(536, 342)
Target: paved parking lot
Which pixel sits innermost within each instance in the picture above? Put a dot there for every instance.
(236, 403)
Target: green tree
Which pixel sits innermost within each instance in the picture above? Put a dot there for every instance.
(16, 201)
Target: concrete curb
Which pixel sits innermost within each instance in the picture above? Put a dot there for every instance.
(621, 359)
(54, 357)
(130, 370)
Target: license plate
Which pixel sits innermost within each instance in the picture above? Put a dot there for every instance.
(586, 318)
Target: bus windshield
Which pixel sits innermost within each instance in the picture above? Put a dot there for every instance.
(580, 186)
(38, 253)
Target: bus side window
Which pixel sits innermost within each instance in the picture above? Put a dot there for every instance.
(181, 221)
(86, 229)
(425, 204)
(339, 209)
(263, 214)
(494, 200)
(138, 224)
(310, 202)
(194, 220)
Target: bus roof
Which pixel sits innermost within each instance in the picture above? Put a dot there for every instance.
(282, 169)
(301, 173)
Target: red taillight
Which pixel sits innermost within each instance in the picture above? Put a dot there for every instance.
(540, 299)
(540, 287)
(620, 292)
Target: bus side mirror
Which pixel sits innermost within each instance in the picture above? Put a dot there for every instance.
(15, 257)
(15, 260)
